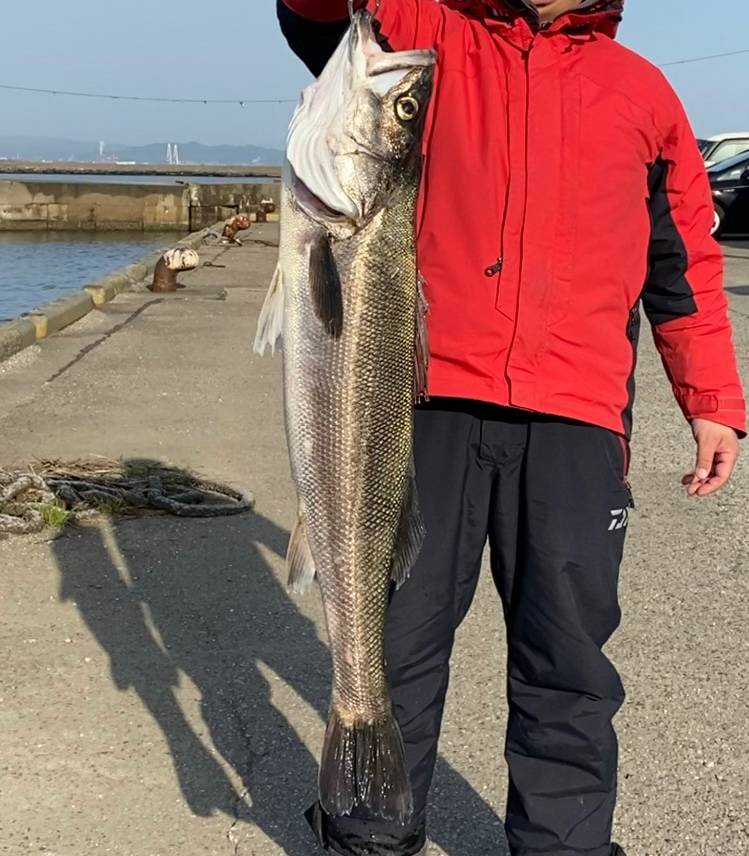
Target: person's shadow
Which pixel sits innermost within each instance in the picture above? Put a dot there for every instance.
(164, 595)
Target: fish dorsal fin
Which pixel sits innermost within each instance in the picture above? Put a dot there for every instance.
(411, 533)
(325, 285)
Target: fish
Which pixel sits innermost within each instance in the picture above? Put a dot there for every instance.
(347, 303)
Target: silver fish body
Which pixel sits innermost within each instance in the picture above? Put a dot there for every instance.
(352, 327)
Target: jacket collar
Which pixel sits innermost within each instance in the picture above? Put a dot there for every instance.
(601, 16)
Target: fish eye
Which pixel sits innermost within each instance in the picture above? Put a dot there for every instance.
(407, 108)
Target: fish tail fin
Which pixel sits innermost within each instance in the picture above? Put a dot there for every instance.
(363, 764)
(270, 323)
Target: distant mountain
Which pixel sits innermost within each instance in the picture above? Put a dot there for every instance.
(47, 148)
(54, 149)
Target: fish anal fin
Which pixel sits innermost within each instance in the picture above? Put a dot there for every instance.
(299, 560)
(325, 286)
(270, 322)
(410, 537)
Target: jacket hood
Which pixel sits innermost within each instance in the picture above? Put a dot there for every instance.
(601, 16)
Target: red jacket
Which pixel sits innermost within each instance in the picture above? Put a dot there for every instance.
(563, 188)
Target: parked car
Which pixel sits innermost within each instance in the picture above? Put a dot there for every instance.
(729, 181)
(722, 147)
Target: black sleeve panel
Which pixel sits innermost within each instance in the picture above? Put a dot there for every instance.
(667, 295)
(313, 42)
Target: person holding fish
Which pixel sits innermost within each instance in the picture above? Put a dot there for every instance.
(512, 321)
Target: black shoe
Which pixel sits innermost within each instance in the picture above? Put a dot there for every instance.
(616, 850)
(347, 836)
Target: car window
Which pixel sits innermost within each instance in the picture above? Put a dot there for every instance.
(731, 172)
(707, 149)
(728, 149)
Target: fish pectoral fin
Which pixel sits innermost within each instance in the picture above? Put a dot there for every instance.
(410, 538)
(270, 323)
(421, 351)
(299, 560)
(325, 286)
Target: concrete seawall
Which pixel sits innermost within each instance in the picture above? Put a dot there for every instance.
(46, 320)
(110, 206)
(236, 172)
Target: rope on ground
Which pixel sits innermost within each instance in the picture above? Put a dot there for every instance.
(52, 494)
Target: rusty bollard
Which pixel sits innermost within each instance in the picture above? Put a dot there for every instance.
(165, 272)
(237, 223)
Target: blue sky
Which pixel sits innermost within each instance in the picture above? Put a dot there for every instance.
(163, 47)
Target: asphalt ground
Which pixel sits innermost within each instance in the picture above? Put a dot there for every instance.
(162, 695)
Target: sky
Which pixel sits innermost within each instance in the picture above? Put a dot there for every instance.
(181, 49)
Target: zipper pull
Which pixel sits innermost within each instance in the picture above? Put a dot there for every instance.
(632, 322)
(494, 269)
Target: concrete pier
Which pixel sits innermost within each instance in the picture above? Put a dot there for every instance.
(160, 692)
(86, 206)
(32, 168)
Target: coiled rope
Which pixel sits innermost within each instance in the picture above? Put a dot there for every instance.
(52, 494)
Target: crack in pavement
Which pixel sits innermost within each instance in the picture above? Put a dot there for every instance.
(230, 835)
(116, 329)
(247, 758)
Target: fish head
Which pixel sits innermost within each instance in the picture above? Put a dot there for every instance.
(358, 128)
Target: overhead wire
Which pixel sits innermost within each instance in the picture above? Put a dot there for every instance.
(703, 58)
(242, 101)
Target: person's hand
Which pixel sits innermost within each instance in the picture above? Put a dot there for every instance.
(717, 452)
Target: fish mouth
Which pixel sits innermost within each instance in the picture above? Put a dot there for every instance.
(322, 146)
(362, 35)
(366, 54)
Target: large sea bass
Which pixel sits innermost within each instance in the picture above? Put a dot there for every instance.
(346, 300)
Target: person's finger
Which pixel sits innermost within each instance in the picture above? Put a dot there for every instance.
(722, 471)
(706, 448)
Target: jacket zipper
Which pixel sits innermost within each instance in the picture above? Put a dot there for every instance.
(631, 324)
(626, 450)
(627, 456)
(496, 268)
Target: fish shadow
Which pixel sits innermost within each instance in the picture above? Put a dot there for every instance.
(166, 598)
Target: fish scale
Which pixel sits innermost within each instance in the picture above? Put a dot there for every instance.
(355, 480)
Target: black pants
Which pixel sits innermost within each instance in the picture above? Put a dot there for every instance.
(552, 499)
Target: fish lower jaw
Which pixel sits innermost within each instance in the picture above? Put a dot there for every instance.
(315, 207)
